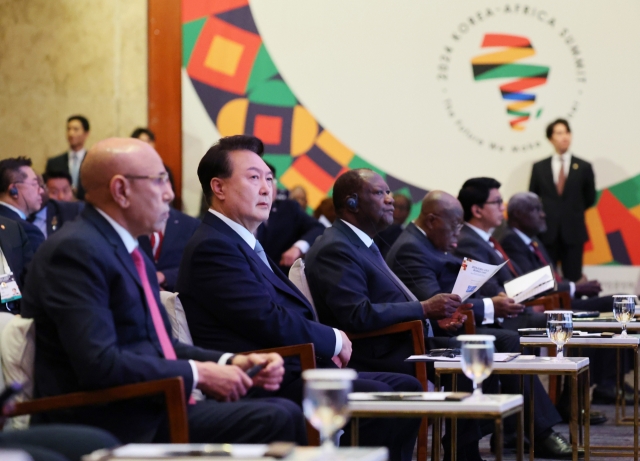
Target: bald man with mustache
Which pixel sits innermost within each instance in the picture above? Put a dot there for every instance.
(99, 322)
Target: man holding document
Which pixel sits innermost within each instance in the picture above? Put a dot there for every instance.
(421, 258)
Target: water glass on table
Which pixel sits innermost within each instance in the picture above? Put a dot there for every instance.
(477, 359)
(559, 329)
(624, 308)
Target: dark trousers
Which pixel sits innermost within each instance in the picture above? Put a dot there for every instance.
(397, 434)
(58, 442)
(569, 256)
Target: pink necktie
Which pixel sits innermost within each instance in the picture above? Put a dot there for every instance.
(158, 324)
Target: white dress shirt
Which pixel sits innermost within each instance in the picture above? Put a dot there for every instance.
(248, 237)
(75, 160)
(556, 161)
(40, 221)
(489, 309)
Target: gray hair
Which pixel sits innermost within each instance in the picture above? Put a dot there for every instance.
(522, 201)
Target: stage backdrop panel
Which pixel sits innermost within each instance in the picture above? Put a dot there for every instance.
(427, 93)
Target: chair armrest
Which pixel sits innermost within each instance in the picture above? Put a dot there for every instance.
(306, 352)
(172, 388)
(565, 299)
(548, 302)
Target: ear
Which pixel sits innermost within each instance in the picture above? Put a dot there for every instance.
(120, 191)
(429, 222)
(218, 188)
(476, 211)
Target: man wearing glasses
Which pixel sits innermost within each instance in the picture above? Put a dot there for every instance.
(20, 195)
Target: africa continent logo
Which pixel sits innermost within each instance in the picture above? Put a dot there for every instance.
(502, 64)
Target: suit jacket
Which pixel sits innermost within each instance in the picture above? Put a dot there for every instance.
(180, 227)
(472, 246)
(427, 271)
(234, 302)
(287, 224)
(387, 238)
(94, 329)
(35, 235)
(15, 246)
(60, 164)
(565, 214)
(352, 292)
(59, 213)
(521, 254)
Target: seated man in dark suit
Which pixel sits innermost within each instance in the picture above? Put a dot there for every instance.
(21, 195)
(165, 247)
(422, 260)
(54, 213)
(237, 299)
(289, 231)
(354, 290)
(15, 256)
(98, 322)
(71, 160)
(483, 212)
(401, 209)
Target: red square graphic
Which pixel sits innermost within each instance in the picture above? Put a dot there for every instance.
(268, 129)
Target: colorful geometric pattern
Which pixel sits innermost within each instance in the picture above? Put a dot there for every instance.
(500, 64)
(243, 93)
(613, 225)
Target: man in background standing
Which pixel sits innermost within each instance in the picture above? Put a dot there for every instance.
(566, 186)
(70, 161)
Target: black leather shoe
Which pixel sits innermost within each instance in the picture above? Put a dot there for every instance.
(554, 446)
(607, 396)
(595, 417)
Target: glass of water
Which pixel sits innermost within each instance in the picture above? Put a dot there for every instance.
(477, 359)
(326, 398)
(559, 329)
(624, 308)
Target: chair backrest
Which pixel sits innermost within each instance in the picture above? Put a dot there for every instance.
(17, 349)
(177, 317)
(299, 279)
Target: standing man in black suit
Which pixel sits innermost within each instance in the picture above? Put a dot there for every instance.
(289, 232)
(401, 209)
(483, 212)
(71, 160)
(237, 299)
(566, 185)
(15, 256)
(21, 195)
(98, 322)
(165, 247)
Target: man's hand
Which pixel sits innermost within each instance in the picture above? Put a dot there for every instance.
(161, 278)
(226, 383)
(589, 288)
(269, 377)
(440, 306)
(290, 256)
(345, 353)
(505, 307)
(454, 322)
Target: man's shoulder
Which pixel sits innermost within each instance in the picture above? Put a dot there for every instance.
(58, 162)
(181, 219)
(579, 161)
(541, 163)
(9, 227)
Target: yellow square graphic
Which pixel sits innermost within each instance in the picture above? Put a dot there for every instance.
(224, 55)
(334, 148)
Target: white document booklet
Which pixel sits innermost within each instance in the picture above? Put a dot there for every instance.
(472, 275)
(531, 284)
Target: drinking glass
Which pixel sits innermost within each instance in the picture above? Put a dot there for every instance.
(477, 359)
(326, 396)
(559, 329)
(624, 308)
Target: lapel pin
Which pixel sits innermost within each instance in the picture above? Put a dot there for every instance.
(54, 223)
(575, 166)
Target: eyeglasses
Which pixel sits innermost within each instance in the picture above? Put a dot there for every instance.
(34, 183)
(498, 202)
(158, 179)
(455, 228)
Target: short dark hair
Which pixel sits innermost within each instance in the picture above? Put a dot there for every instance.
(56, 175)
(10, 171)
(475, 191)
(216, 164)
(272, 168)
(82, 119)
(553, 124)
(139, 131)
(347, 184)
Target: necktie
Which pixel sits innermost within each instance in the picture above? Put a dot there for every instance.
(504, 255)
(262, 254)
(543, 260)
(382, 264)
(156, 244)
(562, 178)
(156, 317)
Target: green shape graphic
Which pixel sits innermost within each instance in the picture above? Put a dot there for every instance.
(359, 162)
(273, 93)
(514, 70)
(190, 32)
(281, 162)
(628, 192)
(263, 69)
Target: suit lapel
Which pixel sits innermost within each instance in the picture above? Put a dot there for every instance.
(547, 175)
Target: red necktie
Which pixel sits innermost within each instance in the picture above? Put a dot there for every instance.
(158, 323)
(543, 260)
(504, 255)
(562, 178)
(156, 244)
